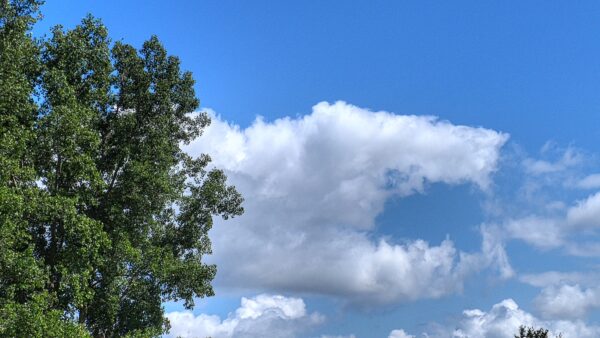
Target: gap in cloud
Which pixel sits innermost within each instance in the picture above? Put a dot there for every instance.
(441, 211)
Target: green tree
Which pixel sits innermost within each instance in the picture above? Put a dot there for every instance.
(102, 216)
(530, 332)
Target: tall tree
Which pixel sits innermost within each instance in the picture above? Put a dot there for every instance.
(102, 216)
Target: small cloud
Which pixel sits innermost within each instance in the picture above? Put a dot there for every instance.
(543, 233)
(549, 278)
(586, 213)
(400, 334)
(570, 158)
(589, 182)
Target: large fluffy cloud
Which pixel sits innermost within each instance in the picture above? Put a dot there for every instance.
(261, 316)
(314, 186)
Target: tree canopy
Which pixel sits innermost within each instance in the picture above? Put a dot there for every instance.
(530, 332)
(103, 217)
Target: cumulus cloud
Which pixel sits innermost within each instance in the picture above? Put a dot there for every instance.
(261, 316)
(567, 301)
(314, 186)
(503, 321)
(400, 334)
(341, 162)
(565, 294)
(586, 213)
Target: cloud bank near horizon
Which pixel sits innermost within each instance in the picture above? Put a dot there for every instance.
(503, 321)
(287, 317)
(260, 316)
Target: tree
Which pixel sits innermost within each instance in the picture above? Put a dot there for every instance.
(102, 216)
(23, 299)
(530, 332)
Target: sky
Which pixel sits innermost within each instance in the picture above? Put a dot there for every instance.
(409, 168)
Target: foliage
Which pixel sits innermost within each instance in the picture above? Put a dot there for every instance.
(530, 332)
(102, 216)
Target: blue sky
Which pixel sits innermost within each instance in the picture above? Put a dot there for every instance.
(490, 205)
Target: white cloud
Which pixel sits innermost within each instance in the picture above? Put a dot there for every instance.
(400, 334)
(567, 301)
(586, 213)
(504, 319)
(583, 248)
(560, 228)
(493, 252)
(570, 158)
(544, 233)
(344, 161)
(547, 182)
(313, 187)
(261, 316)
(540, 178)
(549, 278)
(589, 182)
(351, 266)
(565, 294)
